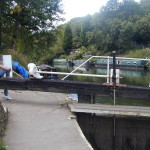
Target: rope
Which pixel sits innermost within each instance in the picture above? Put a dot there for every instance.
(17, 74)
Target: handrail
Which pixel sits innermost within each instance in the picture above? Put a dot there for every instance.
(89, 60)
(108, 58)
(108, 76)
(73, 74)
(78, 67)
(121, 58)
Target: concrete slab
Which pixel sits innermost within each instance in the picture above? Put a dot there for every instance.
(38, 121)
(118, 110)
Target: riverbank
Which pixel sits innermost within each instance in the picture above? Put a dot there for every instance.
(41, 121)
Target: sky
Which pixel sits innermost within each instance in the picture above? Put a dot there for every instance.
(80, 8)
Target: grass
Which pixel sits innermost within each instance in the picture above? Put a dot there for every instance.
(2, 145)
(17, 56)
(140, 53)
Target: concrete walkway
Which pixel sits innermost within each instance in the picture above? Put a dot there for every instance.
(38, 121)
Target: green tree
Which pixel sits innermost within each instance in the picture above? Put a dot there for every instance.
(67, 40)
(126, 37)
(142, 30)
(129, 8)
(83, 36)
(110, 10)
(145, 5)
(21, 18)
(36, 14)
(4, 19)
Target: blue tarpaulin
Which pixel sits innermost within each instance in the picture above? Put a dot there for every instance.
(20, 70)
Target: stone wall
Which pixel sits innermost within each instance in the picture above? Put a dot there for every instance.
(3, 119)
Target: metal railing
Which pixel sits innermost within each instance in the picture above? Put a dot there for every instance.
(91, 75)
(79, 74)
(105, 76)
(108, 58)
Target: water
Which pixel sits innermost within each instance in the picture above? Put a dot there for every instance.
(129, 77)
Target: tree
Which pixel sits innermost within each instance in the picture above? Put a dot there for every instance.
(83, 36)
(145, 5)
(67, 40)
(126, 36)
(142, 30)
(110, 10)
(29, 16)
(129, 8)
(36, 14)
(4, 19)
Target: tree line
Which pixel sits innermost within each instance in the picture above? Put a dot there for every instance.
(119, 26)
(28, 27)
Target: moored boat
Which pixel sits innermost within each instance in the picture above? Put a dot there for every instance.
(123, 64)
(60, 61)
(79, 62)
(66, 62)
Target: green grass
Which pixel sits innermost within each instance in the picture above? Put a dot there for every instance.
(140, 53)
(2, 145)
(17, 56)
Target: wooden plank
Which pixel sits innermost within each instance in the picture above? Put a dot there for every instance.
(83, 88)
(111, 110)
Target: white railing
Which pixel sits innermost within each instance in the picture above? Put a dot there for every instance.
(73, 74)
(108, 67)
(105, 76)
(108, 76)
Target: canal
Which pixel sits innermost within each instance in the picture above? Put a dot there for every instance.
(111, 132)
(129, 77)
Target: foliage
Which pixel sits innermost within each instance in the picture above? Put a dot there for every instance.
(82, 50)
(74, 56)
(67, 39)
(142, 30)
(119, 25)
(140, 53)
(34, 15)
(2, 145)
(16, 56)
(26, 26)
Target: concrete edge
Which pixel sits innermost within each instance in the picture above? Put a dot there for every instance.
(82, 135)
(78, 127)
(4, 108)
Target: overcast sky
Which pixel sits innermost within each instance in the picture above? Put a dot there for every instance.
(80, 8)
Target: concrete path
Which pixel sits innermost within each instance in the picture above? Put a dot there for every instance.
(38, 121)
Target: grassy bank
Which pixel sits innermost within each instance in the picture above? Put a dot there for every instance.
(17, 56)
(140, 53)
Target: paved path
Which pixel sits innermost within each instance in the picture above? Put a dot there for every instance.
(38, 121)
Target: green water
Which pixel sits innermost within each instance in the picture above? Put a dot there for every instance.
(129, 77)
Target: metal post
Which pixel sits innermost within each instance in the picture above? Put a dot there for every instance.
(114, 76)
(108, 69)
(114, 69)
(114, 126)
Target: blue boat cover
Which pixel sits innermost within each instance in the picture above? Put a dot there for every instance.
(20, 70)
